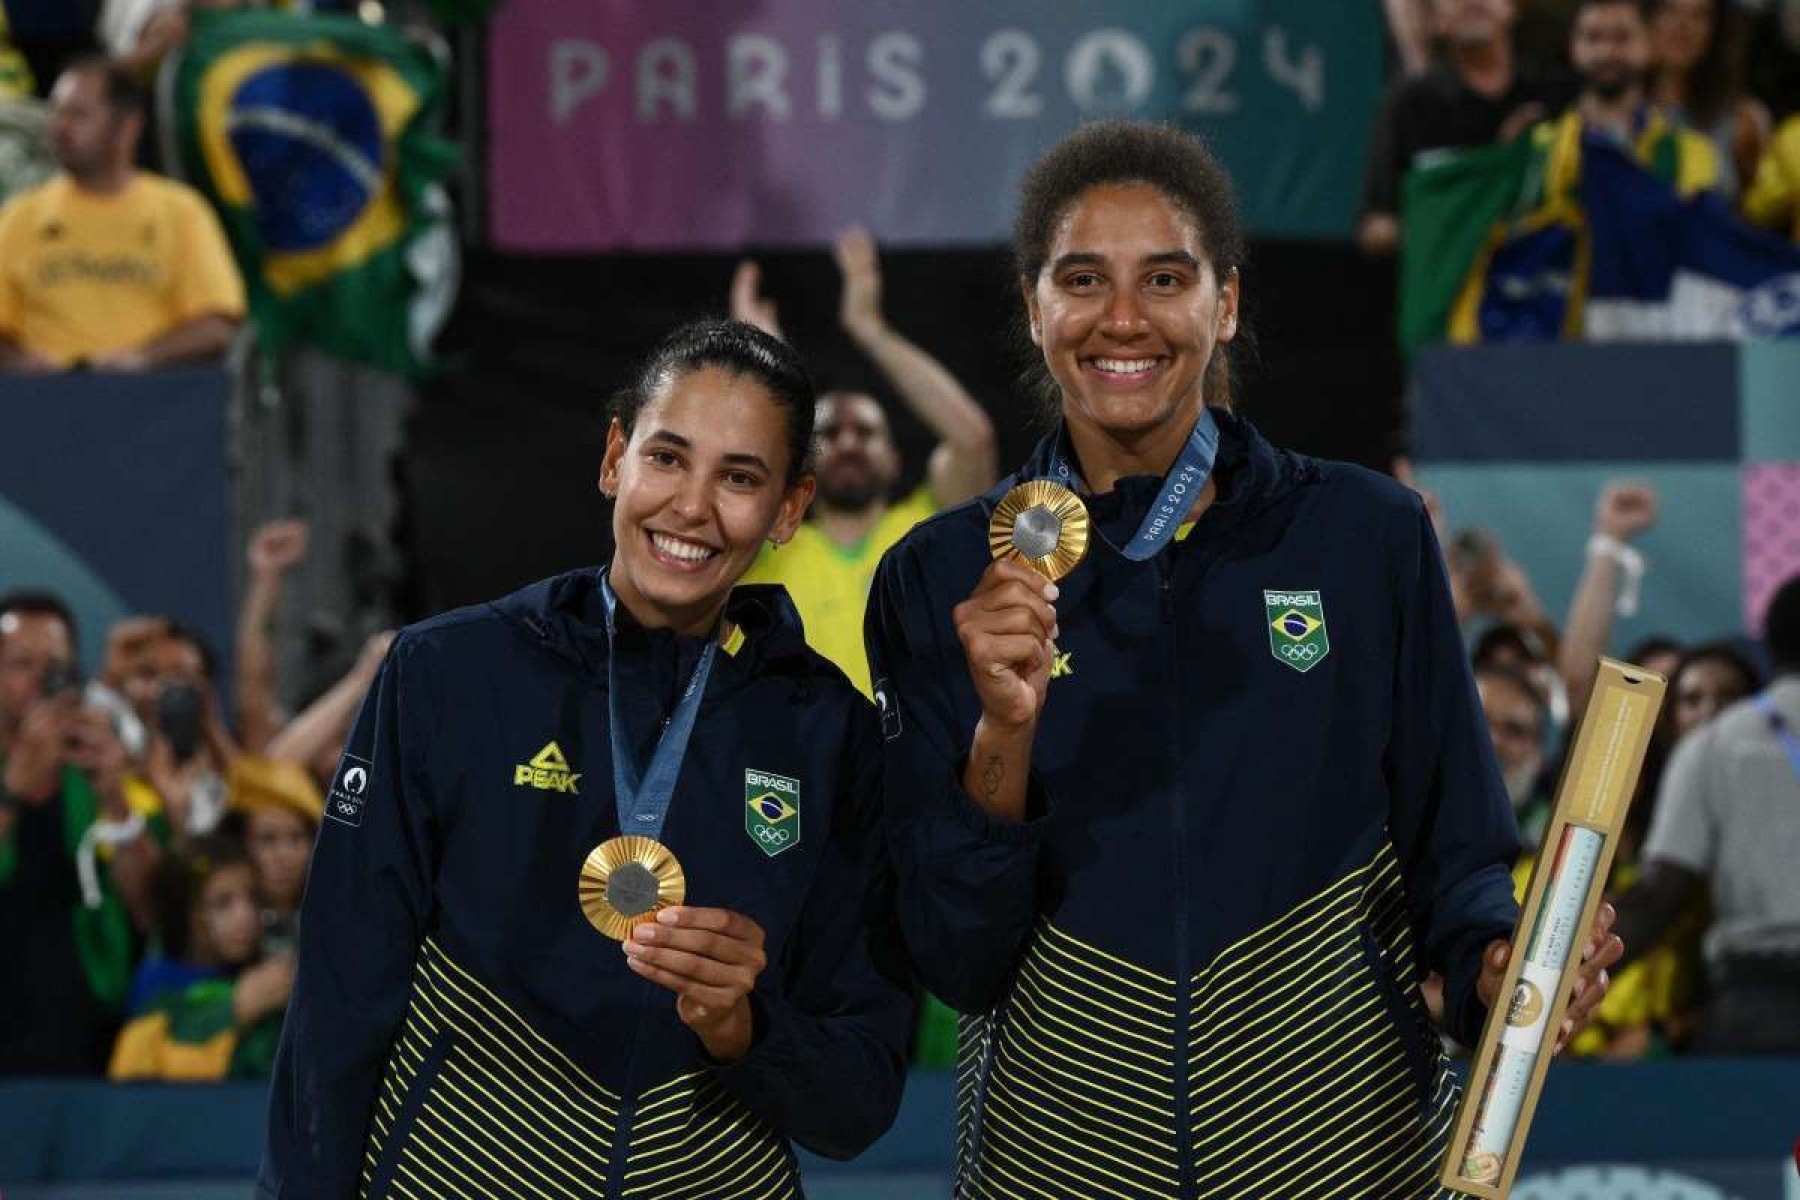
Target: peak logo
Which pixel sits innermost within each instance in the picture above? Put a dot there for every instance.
(548, 771)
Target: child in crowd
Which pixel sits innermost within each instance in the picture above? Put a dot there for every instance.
(207, 1005)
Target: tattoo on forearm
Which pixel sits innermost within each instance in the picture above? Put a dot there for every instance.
(991, 777)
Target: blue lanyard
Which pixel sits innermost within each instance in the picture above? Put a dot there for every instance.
(1778, 723)
(643, 799)
(1181, 487)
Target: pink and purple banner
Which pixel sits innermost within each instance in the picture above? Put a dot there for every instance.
(711, 124)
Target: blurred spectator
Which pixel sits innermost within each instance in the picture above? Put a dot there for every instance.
(1773, 68)
(211, 1002)
(1518, 722)
(1472, 94)
(1728, 816)
(1649, 1009)
(107, 266)
(1658, 653)
(1709, 679)
(831, 562)
(75, 859)
(1697, 78)
(190, 749)
(1773, 198)
(275, 549)
(1610, 50)
(281, 808)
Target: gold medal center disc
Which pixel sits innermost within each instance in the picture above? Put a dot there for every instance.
(626, 879)
(1041, 524)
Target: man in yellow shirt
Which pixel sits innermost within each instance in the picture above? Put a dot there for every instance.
(106, 266)
(829, 565)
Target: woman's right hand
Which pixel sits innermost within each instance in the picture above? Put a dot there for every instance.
(1008, 631)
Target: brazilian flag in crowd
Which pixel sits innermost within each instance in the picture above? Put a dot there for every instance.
(314, 137)
(1565, 234)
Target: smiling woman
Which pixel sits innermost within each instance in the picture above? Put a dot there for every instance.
(1182, 832)
(707, 457)
(540, 887)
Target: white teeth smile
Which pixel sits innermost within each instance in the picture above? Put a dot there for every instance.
(676, 548)
(1124, 366)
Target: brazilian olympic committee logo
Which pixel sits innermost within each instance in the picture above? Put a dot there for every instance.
(771, 811)
(1297, 634)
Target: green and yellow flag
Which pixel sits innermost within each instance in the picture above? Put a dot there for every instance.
(313, 136)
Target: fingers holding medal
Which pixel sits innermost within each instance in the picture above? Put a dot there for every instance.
(711, 959)
(1008, 626)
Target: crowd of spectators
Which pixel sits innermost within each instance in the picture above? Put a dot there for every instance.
(154, 838)
(1705, 93)
(1702, 878)
(156, 820)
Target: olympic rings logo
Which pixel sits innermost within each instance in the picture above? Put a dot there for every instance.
(771, 836)
(1300, 653)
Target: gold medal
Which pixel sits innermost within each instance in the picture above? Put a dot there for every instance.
(1043, 525)
(627, 879)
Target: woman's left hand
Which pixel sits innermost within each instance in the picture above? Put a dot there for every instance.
(1602, 951)
(711, 959)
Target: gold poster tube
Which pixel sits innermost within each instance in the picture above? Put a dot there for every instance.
(1567, 883)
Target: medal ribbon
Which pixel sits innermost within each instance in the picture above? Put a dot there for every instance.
(643, 798)
(1181, 487)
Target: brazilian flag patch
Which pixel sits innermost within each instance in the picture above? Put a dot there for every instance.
(1297, 633)
(772, 811)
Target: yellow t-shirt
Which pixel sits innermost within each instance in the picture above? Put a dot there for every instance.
(83, 274)
(830, 586)
(1774, 196)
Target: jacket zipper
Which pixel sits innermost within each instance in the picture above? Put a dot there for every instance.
(628, 1102)
(1184, 1157)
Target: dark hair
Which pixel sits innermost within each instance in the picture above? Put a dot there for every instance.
(1781, 627)
(209, 658)
(1501, 637)
(1718, 78)
(1727, 655)
(1642, 6)
(37, 602)
(740, 349)
(1523, 682)
(1656, 643)
(180, 879)
(124, 94)
(1176, 163)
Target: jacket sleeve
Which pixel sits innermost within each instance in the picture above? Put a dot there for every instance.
(368, 896)
(829, 1061)
(965, 884)
(1452, 823)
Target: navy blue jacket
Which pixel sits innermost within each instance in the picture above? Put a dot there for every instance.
(1194, 969)
(459, 1028)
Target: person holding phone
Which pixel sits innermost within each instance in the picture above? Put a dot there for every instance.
(75, 861)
